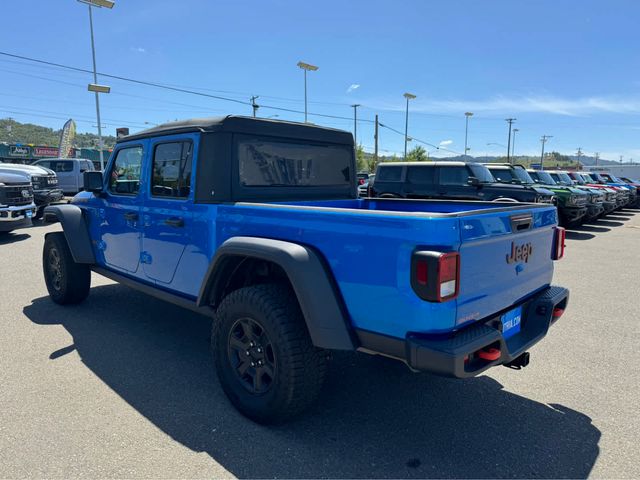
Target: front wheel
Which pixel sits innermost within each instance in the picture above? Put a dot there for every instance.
(264, 357)
(68, 282)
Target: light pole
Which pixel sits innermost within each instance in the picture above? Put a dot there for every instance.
(355, 123)
(513, 145)
(466, 131)
(543, 139)
(94, 87)
(306, 67)
(509, 121)
(408, 96)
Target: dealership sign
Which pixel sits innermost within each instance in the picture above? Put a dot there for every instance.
(19, 151)
(45, 152)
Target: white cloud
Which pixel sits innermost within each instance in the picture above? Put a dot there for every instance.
(352, 87)
(138, 49)
(524, 104)
(445, 143)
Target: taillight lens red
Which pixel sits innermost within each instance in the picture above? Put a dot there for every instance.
(361, 181)
(558, 244)
(436, 275)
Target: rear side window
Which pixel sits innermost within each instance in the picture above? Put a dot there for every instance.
(421, 175)
(125, 173)
(266, 163)
(61, 166)
(454, 175)
(171, 171)
(389, 174)
(86, 166)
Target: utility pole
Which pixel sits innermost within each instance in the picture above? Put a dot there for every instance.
(466, 131)
(597, 156)
(543, 139)
(510, 121)
(513, 145)
(621, 156)
(375, 142)
(355, 123)
(579, 154)
(254, 105)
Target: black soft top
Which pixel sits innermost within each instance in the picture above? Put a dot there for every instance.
(247, 125)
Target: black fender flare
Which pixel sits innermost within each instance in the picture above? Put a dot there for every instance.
(74, 226)
(319, 298)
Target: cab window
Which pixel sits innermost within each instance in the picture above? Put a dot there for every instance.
(125, 172)
(421, 175)
(389, 174)
(454, 175)
(171, 172)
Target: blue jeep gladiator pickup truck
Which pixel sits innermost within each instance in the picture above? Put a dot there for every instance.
(257, 224)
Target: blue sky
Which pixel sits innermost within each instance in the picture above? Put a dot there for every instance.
(562, 68)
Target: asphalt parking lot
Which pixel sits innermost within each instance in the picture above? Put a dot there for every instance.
(122, 386)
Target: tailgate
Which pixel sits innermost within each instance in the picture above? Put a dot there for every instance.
(504, 258)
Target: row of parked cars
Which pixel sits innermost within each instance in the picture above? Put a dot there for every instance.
(26, 189)
(579, 196)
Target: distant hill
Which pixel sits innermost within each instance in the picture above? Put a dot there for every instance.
(12, 131)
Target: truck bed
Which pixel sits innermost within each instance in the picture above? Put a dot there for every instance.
(368, 244)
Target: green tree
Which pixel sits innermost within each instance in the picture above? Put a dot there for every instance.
(417, 154)
(361, 161)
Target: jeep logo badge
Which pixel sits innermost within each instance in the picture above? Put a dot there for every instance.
(520, 253)
(25, 193)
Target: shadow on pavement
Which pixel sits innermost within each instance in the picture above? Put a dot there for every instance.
(579, 235)
(619, 218)
(590, 228)
(7, 238)
(609, 223)
(374, 419)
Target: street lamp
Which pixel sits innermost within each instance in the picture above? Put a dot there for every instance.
(306, 67)
(466, 130)
(94, 87)
(513, 145)
(408, 96)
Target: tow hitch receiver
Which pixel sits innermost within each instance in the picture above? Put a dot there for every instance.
(519, 362)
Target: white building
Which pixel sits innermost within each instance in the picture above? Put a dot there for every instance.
(624, 170)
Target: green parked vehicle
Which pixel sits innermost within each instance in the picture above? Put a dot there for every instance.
(571, 202)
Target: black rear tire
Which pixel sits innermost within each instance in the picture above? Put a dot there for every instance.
(264, 357)
(68, 282)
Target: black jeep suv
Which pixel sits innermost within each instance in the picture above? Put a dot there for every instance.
(450, 180)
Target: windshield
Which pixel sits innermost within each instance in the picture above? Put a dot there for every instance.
(543, 177)
(522, 175)
(587, 178)
(482, 173)
(562, 178)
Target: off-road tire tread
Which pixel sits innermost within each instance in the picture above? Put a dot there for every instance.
(301, 366)
(76, 277)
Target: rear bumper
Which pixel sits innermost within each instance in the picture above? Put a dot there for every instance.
(453, 355)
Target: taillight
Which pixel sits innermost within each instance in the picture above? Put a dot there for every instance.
(361, 181)
(435, 276)
(560, 235)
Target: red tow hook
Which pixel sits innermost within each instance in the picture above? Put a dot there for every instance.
(557, 312)
(489, 354)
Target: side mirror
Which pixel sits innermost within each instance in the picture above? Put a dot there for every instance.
(92, 181)
(473, 181)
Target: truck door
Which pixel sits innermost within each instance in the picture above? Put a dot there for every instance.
(167, 212)
(453, 182)
(119, 224)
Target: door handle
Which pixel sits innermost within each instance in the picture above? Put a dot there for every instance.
(174, 222)
(131, 216)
